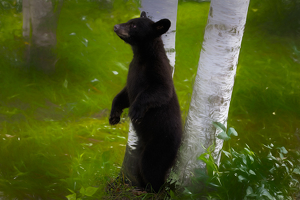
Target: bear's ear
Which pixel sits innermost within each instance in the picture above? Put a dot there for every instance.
(161, 26)
(143, 14)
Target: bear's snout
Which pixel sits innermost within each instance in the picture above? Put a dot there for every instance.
(121, 30)
(116, 27)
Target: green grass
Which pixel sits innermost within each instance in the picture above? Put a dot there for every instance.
(46, 158)
(189, 37)
(265, 101)
(54, 133)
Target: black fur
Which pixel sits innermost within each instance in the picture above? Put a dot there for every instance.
(150, 95)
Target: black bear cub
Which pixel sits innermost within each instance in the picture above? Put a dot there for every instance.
(150, 95)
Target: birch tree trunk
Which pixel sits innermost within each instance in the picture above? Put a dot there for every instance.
(155, 10)
(213, 84)
(40, 19)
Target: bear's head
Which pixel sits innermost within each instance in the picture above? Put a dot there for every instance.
(139, 30)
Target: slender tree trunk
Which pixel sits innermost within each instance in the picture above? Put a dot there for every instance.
(155, 10)
(213, 84)
(40, 19)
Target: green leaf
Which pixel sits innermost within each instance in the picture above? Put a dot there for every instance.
(71, 196)
(251, 158)
(296, 171)
(267, 146)
(219, 180)
(82, 191)
(214, 185)
(294, 181)
(272, 170)
(286, 168)
(90, 191)
(227, 154)
(271, 157)
(204, 157)
(265, 193)
(223, 136)
(241, 178)
(249, 191)
(232, 131)
(290, 163)
(244, 160)
(252, 172)
(71, 191)
(186, 191)
(283, 150)
(219, 125)
(281, 156)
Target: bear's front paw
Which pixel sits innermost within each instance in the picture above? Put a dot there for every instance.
(136, 114)
(114, 120)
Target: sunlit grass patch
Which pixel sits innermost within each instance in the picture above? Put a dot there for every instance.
(59, 155)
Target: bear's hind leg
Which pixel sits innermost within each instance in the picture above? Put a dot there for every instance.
(155, 163)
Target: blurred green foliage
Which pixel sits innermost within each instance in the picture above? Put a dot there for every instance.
(245, 174)
(266, 96)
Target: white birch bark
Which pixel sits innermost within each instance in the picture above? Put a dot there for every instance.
(213, 84)
(158, 9)
(155, 10)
